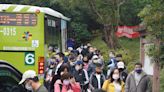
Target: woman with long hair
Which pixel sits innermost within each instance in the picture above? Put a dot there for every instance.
(114, 83)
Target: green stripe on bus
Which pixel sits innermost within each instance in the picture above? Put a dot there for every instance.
(24, 9)
(11, 8)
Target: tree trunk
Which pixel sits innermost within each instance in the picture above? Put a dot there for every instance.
(110, 38)
(156, 79)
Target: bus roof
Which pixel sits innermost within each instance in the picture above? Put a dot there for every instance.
(28, 8)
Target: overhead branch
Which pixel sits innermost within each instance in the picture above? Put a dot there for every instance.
(93, 7)
(121, 3)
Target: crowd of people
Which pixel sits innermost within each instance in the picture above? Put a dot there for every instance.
(82, 70)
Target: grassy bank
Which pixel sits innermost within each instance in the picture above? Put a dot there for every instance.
(129, 49)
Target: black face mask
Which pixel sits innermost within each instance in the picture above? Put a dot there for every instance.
(98, 72)
(121, 69)
(86, 61)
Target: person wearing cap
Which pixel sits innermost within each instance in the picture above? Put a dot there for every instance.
(122, 70)
(97, 78)
(70, 42)
(92, 65)
(71, 62)
(49, 73)
(81, 75)
(31, 81)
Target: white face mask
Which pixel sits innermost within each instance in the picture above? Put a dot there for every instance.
(72, 63)
(95, 61)
(115, 76)
(66, 82)
(77, 67)
(28, 86)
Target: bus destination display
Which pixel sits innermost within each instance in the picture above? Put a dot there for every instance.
(18, 19)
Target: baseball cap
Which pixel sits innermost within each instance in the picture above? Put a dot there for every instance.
(79, 62)
(120, 65)
(98, 65)
(70, 48)
(27, 74)
(95, 57)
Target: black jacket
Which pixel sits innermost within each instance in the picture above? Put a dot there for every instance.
(81, 76)
(94, 81)
(123, 75)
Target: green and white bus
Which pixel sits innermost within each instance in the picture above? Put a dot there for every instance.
(26, 32)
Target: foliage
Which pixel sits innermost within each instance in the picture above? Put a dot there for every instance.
(80, 18)
(153, 18)
(129, 11)
(81, 33)
(129, 50)
(106, 12)
(95, 14)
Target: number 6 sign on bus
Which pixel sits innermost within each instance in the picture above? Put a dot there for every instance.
(29, 58)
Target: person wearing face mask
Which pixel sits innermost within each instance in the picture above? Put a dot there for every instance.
(138, 80)
(62, 70)
(122, 70)
(119, 57)
(66, 83)
(49, 74)
(97, 78)
(92, 65)
(71, 62)
(31, 82)
(85, 62)
(114, 83)
(81, 75)
(111, 63)
(59, 60)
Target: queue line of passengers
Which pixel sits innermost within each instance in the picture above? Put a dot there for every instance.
(81, 70)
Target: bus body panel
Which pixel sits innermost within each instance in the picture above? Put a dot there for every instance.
(16, 42)
(26, 46)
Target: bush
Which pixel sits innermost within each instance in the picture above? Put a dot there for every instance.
(129, 50)
(81, 34)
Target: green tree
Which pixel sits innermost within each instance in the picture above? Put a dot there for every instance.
(129, 11)
(106, 12)
(153, 17)
(80, 18)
